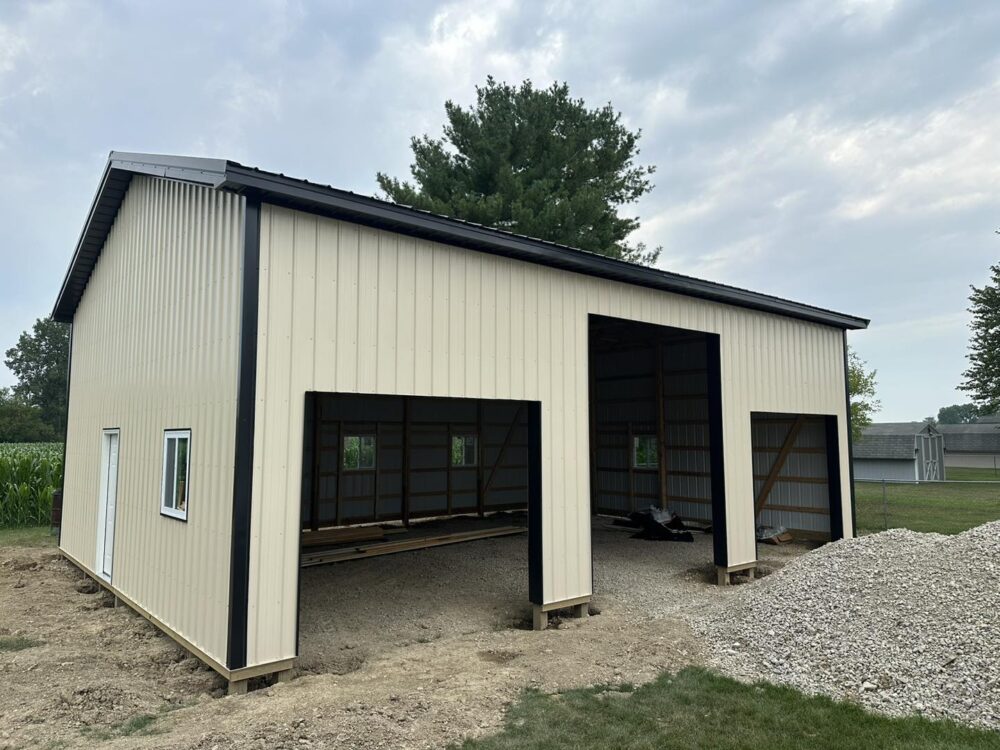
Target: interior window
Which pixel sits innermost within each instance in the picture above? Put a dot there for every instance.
(464, 450)
(644, 452)
(359, 452)
(176, 470)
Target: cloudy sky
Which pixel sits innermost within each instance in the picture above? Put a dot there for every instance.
(845, 154)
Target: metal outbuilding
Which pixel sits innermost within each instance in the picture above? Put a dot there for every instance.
(900, 451)
(256, 357)
(974, 446)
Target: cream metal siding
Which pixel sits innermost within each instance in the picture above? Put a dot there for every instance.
(344, 308)
(155, 345)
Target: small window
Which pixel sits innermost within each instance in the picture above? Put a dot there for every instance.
(174, 491)
(644, 453)
(464, 450)
(359, 452)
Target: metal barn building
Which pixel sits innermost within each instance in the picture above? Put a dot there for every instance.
(973, 446)
(256, 358)
(901, 452)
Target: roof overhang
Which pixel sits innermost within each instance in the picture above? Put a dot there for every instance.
(323, 199)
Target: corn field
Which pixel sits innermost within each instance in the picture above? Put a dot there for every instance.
(29, 474)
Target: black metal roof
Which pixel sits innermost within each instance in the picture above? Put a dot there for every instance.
(329, 201)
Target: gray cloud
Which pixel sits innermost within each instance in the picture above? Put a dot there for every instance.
(840, 153)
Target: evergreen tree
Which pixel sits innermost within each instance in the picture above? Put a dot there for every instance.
(982, 379)
(535, 162)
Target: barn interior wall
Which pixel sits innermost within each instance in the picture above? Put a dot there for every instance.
(799, 496)
(414, 476)
(653, 390)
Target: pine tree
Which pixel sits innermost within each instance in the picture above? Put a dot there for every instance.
(982, 379)
(534, 162)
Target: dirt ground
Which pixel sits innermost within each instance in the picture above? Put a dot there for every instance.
(404, 651)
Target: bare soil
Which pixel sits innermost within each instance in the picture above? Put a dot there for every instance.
(412, 650)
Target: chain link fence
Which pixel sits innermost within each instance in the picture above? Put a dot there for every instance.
(945, 507)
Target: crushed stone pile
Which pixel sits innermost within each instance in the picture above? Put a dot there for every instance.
(900, 622)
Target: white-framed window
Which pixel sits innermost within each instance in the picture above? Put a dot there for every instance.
(176, 472)
(359, 452)
(464, 450)
(644, 452)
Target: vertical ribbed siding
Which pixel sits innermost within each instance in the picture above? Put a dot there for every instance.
(155, 343)
(345, 308)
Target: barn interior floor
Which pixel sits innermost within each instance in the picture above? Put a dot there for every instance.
(357, 612)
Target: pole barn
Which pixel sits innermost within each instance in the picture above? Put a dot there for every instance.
(264, 369)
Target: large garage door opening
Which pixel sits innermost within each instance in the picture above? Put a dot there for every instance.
(655, 436)
(796, 477)
(417, 506)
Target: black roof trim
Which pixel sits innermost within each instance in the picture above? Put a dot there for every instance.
(307, 196)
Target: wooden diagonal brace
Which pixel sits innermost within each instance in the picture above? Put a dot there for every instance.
(779, 464)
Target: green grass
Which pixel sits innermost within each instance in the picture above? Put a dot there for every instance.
(138, 725)
(955, 474)
(33, 536)
(18, 642)
(944, 508)
(697, 709)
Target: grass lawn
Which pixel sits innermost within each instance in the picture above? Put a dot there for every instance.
(956, 473)
(33, 536)
(697, 709)
(944, 508)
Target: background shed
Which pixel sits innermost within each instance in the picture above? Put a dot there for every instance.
(974, 445)
(901, 451)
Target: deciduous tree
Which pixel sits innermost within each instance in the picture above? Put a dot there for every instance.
(40, 361)
(861, 386)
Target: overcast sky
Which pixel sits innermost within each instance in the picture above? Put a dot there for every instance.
(844, 154)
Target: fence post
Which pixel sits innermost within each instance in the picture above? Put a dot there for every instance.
(885, 508)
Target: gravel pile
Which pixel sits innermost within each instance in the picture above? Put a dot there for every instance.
(900, 622)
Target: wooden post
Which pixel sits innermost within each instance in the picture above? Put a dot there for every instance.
(237, 687)
(629, 455)
(480, 452)
(406, 462)
(447, 466)
(378, 468)
(661, 430)
(316, 479)
(778, 465)
(340, 469)
(539, 617)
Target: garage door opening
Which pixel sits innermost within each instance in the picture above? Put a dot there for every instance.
(655, 437)
(415, 517)
(796, 476)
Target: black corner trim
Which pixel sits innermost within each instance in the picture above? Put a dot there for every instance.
(62, 482)
(720, 543)
(536, 586)
(309, 479)
(833, 480)
(239, 567)
(850, 439)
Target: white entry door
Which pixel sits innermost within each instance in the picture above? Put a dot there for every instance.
(108, 503)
